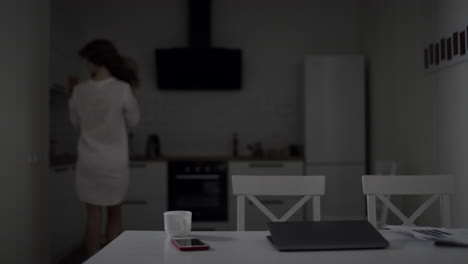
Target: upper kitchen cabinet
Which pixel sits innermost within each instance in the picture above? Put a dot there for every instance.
(335, 130)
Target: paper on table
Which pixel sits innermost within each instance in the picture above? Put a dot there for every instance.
(456, 237)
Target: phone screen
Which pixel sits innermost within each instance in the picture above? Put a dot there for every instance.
(189, 242)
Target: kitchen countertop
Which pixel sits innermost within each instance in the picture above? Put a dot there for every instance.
(218, 158)
(70, 160)
(62, 160)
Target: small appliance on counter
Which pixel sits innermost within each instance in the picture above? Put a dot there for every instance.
(256, 150)
(296, 150)
(153, 146)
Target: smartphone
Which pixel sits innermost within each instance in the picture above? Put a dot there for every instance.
(189, 244)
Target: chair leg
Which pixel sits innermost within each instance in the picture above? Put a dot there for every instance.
(445, 211)
(371, 210)
(316, 208)
(384, 213)
(241, 213)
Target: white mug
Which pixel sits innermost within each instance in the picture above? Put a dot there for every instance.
(178, 223)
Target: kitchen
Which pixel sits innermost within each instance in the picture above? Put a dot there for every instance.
(415, 116)
(270, 108)
(204, 136)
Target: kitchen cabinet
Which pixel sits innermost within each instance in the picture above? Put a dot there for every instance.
(146, 199)
(144, 214)
(142, 209)
(278, 205)
(148, 179)
(67, 213)
(286, 168)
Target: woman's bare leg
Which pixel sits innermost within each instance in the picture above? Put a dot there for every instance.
(93, 229)
(114, 222)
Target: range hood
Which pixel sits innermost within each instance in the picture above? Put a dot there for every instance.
(199, 66)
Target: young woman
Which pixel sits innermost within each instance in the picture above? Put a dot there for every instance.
(103, 109)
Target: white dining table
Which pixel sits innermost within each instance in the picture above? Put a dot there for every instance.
(134, 247)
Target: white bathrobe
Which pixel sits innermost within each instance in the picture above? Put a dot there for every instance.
(103, 111)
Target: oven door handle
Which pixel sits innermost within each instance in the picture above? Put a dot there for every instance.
(197, 177)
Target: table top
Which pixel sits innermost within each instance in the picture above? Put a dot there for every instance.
(253, 247)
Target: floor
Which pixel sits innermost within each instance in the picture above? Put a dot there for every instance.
(76, 257)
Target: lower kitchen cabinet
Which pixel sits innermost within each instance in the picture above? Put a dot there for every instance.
(146, 199)
(148, 179)
(266, 168)
(142, 209)
(144, 214)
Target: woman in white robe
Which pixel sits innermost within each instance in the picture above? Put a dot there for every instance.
(103, 109)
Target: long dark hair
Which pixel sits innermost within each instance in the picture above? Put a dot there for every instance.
(102, 52)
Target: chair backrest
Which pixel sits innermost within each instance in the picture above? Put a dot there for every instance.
(378, 187)
(249, 186)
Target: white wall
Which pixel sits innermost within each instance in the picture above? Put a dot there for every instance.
(452, 101)
(274, 36)
(395, 35)
(23, 112)
(66, 39)
(419, 119)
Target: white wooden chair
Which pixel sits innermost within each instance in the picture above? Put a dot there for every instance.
(250, 186)
(439, 186)
(385, 168)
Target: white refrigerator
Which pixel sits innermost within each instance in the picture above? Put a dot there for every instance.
(335, 132)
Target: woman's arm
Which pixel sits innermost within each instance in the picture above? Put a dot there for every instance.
(72, 82)
(131, 109)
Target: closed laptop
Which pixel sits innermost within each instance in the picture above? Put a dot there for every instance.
(326, 235)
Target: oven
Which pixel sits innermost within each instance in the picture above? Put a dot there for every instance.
(199, 187)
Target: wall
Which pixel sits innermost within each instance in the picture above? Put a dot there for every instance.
(23, 112)
(395, 34)
(418, 118)
(452, 101)
(66, 39)
(274, 36)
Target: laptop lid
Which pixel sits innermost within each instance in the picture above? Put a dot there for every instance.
(327, 235)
